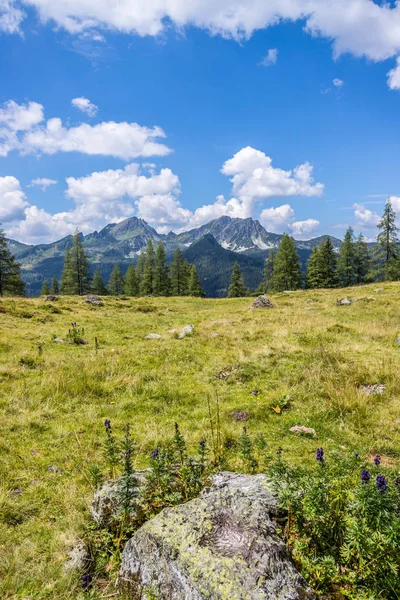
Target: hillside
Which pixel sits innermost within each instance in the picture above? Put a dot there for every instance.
(122, 243)
(306, 354)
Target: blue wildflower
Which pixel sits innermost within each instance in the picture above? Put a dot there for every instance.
(107, 425)
(365, 476)
(381, 483)
(86, 580)
(320, 455)
(155, 453)
(377, 460)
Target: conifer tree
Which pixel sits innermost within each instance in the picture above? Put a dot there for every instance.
(265, 285)
(161, 281)
(387, 251)
(140, 268)
(116, 283)
(314, 268)
(131, 287)
(45, 288)
(362, 260)
(179, 272)
(11, 283)
(328, 264)
(195, 288)
(54, 289)
(147, 282)
(286, 274)
(75, 278)
(98, 285)
(236, 289)
(346, 260)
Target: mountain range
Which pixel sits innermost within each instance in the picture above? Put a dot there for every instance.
(213, 248)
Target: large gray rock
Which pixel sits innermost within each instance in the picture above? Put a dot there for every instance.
(222, 545)
(262, 302)
(105, 505)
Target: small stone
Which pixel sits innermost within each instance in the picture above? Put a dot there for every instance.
(171, 331)
(153, 336)
(254, 392)
(303, 429)
(344, 302)
(95, 300)
(378, 290)
(371, 389)
(50, 298)
(54, 469)
(262, 302)
(58, 340)
(214, 335)
(78, 558)
(187, 330)
(239, 415)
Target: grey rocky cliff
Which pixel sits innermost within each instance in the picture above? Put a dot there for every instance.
(222, 545)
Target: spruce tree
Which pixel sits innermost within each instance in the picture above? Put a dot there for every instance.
(116, 283)
(286, 274)
(147, 283)
(45, 288)
(98, 285)
(236, 289)
(11, 283)
(387, 251)
(131, 287)
(194, 286)
(140, 268)
(314, 268)
(75, 278)
(54, 289)
(328, 264)
(346, 260)
(179, 273)
(265, 285)
(362, 260)
(161, 281)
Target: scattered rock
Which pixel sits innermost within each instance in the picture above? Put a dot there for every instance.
(54, 469)
(254, 393)
(379, 290)
(78, 558)
(214, 335)
(239, 415)
(172, 331)
(95, 300)
(398, 340)
(220, 545)
(227, 372)
(153, 336)
(369, 390)
(58, 340)
(289, 292)
(50, 298)
(106, 503)
(262, 302)
(303, 429)
(186, 331)
(344, 302)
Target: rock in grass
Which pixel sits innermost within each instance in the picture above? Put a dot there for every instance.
(105, 505)
(187, 330)
(239, 415)
(221, 545)
(78, 558)
(369, 390)
(303, 429)
(344, 302)
(95, 300)
(262, 302)
(153, 336)
(50, 298)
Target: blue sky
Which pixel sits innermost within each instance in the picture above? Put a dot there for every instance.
(179, 115)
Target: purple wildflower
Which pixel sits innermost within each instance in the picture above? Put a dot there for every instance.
(397, 483)
(203, 444)
(365, 476)
(155, 453)
(381, 483)
(107, 425)
(320, 455)
(377, 460)
(86, 580)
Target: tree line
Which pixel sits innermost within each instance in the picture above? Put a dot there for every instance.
(354, 264)
(150, 277)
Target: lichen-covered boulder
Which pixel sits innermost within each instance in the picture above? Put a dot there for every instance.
(94, 300)
(222, 545)
(262, 302)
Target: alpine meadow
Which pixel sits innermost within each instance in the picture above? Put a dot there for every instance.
(199, 300)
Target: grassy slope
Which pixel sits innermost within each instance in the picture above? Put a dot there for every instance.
(53, 411)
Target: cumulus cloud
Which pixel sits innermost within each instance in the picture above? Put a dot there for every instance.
(12, 199)
(338, 82)
(84, 105)
(365, 218)
(271, 58)
(303, 230)
(394, 77)
(43, 183)
(277, 219)
(123, 140)
(11, 17)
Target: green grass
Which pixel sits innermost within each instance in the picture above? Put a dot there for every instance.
(53, 403)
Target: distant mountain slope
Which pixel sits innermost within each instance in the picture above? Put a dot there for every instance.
(123, 242)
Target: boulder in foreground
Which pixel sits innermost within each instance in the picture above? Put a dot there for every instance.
(222, 545)
(262, 302)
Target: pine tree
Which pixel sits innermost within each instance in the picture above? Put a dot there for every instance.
(131, 287)
(98, 285)
(236, 289)
(45, 288)
(140, 268)
(328, 264)
(75, 278)
(362, 260)
(116, 283)
(387, 251)
(179, 272)
(54, 289)
(147, 283)
(11, 283)
(265, 285)
(286, 274)
(161, 279)
(346, 260)
(314, 268)
(195, 288)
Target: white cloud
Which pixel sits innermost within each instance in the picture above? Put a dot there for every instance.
(12, 199)
(365, 218)
(122, 140)
(164, 212)
(303, 230)
(338, 82)
(277, 220)
(394, 77)
(271, 58)
(84, 105)
(43, 183)
(10, 17)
